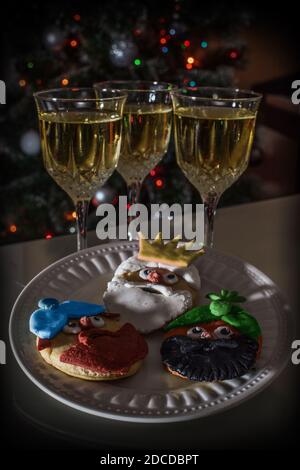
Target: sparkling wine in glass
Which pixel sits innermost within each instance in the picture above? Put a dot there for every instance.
(214, 131)
(147, 123)
(81, 139)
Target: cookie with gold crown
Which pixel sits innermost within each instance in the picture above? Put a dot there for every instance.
(156, 285)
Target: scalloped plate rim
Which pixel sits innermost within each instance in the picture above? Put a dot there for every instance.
(270, 372)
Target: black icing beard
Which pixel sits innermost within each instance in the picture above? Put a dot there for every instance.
(207, 360)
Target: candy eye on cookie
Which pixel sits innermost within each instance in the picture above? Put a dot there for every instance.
(144, 273)
(170, 278)
(198, 332)
(73, 327)
(223, 332)
(97, 321)
(158, 276)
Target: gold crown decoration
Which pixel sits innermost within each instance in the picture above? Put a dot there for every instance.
(168, 252)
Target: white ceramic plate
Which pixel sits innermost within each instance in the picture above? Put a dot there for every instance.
(152, 395)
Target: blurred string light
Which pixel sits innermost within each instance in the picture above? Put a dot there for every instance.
(100, 196)
(233, 54)
(12, 228)
(77, 17)
(30, 65)
(204, 44)
(163, 40)
(48, 236)
(190, 60)
(188, 66)
(172, 32)
(72, 229)
(137, 62)
(192, 83)
(22, 82)
(165, 49)
(159, 183)
(186, 43)
(74, 43)
(65, 82)
(30, 142)
(123, 51)
(70, 216)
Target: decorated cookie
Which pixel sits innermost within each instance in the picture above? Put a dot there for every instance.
(84, 341)
(218, 341)
(156, 285)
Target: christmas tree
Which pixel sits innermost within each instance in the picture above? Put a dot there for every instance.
(60, 44)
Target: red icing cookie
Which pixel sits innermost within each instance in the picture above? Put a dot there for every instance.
(88, 351)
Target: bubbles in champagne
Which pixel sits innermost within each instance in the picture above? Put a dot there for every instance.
(80, 149)
(146, 135)
(213, 145)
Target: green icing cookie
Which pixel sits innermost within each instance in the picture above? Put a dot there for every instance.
(221, 308)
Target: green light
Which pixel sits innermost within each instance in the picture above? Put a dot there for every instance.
(204, 44)
(137, 61)
(30, 65)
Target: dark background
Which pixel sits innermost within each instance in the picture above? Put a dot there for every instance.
(233, 44)
(268, 61)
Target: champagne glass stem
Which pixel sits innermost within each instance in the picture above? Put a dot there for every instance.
(210, 201)
(81, 217)
(134, 190)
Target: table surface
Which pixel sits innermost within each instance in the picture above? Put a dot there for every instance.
(265, 234)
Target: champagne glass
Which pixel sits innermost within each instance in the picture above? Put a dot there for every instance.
(147, 122)
(81, 139)
(214, 131)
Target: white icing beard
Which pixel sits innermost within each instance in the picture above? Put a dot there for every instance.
(148, 311)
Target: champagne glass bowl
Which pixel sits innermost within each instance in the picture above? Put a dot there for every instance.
(214, 132)
(80, 132)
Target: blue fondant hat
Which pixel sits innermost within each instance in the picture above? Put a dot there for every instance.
(52, 315)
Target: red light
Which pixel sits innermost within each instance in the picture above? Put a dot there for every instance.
(233, 55)
(159, 183)
(48, 236)
(162, 32)
(163, 41)
(187, 43)
(74, 43)
(13, 228)
(189, 66)
(152, 172)
(128, 206)
(77, 17)
(65, 82)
